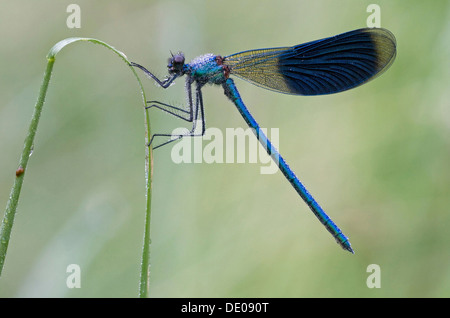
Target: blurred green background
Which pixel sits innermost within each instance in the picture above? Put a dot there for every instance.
(376, 158)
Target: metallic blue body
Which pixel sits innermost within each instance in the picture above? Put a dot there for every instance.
(232, 93)
(207, 70)
(325, 66)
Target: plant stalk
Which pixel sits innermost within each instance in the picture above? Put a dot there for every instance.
(11, 207)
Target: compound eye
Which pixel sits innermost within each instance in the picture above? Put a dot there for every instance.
(178, 59)
(176, 63)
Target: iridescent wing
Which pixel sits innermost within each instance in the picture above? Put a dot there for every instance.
(325, 66)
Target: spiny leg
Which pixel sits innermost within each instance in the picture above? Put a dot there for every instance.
(194, 117)
(171, 109)
(166, 107)
(164, 83)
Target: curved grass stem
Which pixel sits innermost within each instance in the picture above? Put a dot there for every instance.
(11, 207)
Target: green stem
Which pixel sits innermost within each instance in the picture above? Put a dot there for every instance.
(11, 207)
(145, 264)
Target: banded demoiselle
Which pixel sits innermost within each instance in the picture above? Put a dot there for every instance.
(325, 66)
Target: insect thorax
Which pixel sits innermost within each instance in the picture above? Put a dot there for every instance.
(208, 69)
